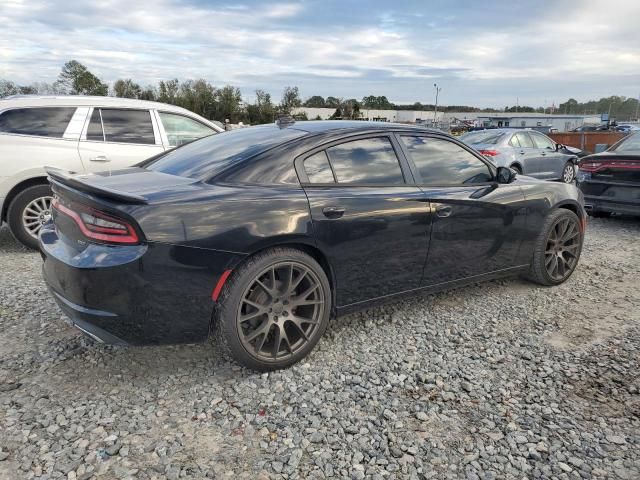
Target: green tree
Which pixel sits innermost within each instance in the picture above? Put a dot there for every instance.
(127, 88)
(315, 102)
(7, 88)
(290, 99)
(168, 91)
(332, 102)
(378, 103)
(228, 105)
(148, 93)
(77, 80)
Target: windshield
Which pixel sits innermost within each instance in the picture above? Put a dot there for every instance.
(210, 155)
(629, 144)
(483, 137)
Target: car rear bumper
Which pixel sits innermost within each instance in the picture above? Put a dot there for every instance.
(613, 197)
(135, 294)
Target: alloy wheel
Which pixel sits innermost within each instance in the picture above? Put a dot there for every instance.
(568, 173)
(563, 248)
(280, 311)
(36, 214)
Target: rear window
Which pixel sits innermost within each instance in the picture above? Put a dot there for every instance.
(629, 144)
(477, 138)
(42, 122)
(210, 155)
(121, 126)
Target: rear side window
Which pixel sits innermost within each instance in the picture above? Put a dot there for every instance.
(441, 162)
(121, 126)
(318, 169)
(181, 129)
(368, 161)
(41, 122)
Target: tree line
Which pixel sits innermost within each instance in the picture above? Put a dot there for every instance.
(226, 103)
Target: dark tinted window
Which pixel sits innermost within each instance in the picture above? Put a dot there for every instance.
(204, 158)
(543, 142)
(127, 126)
(524, 140)
(317, 168)
(43, 122)
(369, 161)
(629, 144)
(94, 131)
(441, 162)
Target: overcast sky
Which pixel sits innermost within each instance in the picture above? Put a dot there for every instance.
(480, 52)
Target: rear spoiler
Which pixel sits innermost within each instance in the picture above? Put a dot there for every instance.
(82, 182)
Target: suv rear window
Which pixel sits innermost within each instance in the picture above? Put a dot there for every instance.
(41, 122)
(208, 156)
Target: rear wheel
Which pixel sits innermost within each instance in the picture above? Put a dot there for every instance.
(274, 309)
(568, 172)
(28, 212)
(557, 248)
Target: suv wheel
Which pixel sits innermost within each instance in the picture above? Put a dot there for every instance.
(28, 212)
(274, 309)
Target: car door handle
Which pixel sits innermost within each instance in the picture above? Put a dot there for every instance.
(544, 154)
(444, 210)
(100, 158)
(333, 212)
(522, 152)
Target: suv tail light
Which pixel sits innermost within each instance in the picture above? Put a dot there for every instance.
(489, 153)
(98, 226)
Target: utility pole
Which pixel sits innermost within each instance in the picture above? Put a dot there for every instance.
(435, 110)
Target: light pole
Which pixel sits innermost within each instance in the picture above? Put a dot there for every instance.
(435, 110)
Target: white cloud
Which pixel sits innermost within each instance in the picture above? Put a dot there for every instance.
(349, 53)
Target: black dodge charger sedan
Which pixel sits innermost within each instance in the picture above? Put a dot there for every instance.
(261, 235)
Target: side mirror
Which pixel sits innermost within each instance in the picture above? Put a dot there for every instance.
(559, 147)
(505, 175)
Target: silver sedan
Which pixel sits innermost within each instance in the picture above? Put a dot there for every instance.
(526, 151)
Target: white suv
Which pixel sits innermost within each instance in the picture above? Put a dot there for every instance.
(78, 134)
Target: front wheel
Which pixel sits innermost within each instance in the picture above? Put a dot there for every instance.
(557, 249)
(274, 309)
(569, 172)
(28, 212)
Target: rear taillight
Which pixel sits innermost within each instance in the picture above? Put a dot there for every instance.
(592, 166)
(489, 153)
(96, 225)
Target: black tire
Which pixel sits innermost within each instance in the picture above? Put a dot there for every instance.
(539, 270)
(517, 168)
(568, 172)
(244, 281)
(17, 208)
(599, 214)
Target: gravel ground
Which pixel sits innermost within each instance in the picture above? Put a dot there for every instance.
(500, 380)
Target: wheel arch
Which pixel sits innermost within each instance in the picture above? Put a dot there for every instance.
(517, 165)
(17, 188)
(306, 245)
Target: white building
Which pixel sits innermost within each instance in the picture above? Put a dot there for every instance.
(541, 121)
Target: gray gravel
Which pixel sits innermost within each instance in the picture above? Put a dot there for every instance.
(501, 380)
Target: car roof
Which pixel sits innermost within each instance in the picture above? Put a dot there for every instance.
(319, 126)
(17, 101)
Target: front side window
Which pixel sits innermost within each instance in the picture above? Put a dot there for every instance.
(543, 142)
(369, 161)
(318, 169)
(41, 122)
(121, 126)
(181, 129)
(441, 162)
(524, 140)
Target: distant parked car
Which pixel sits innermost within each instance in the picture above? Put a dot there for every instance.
(627, 128)
(610, 181)
(526, 151)
(78, 134)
